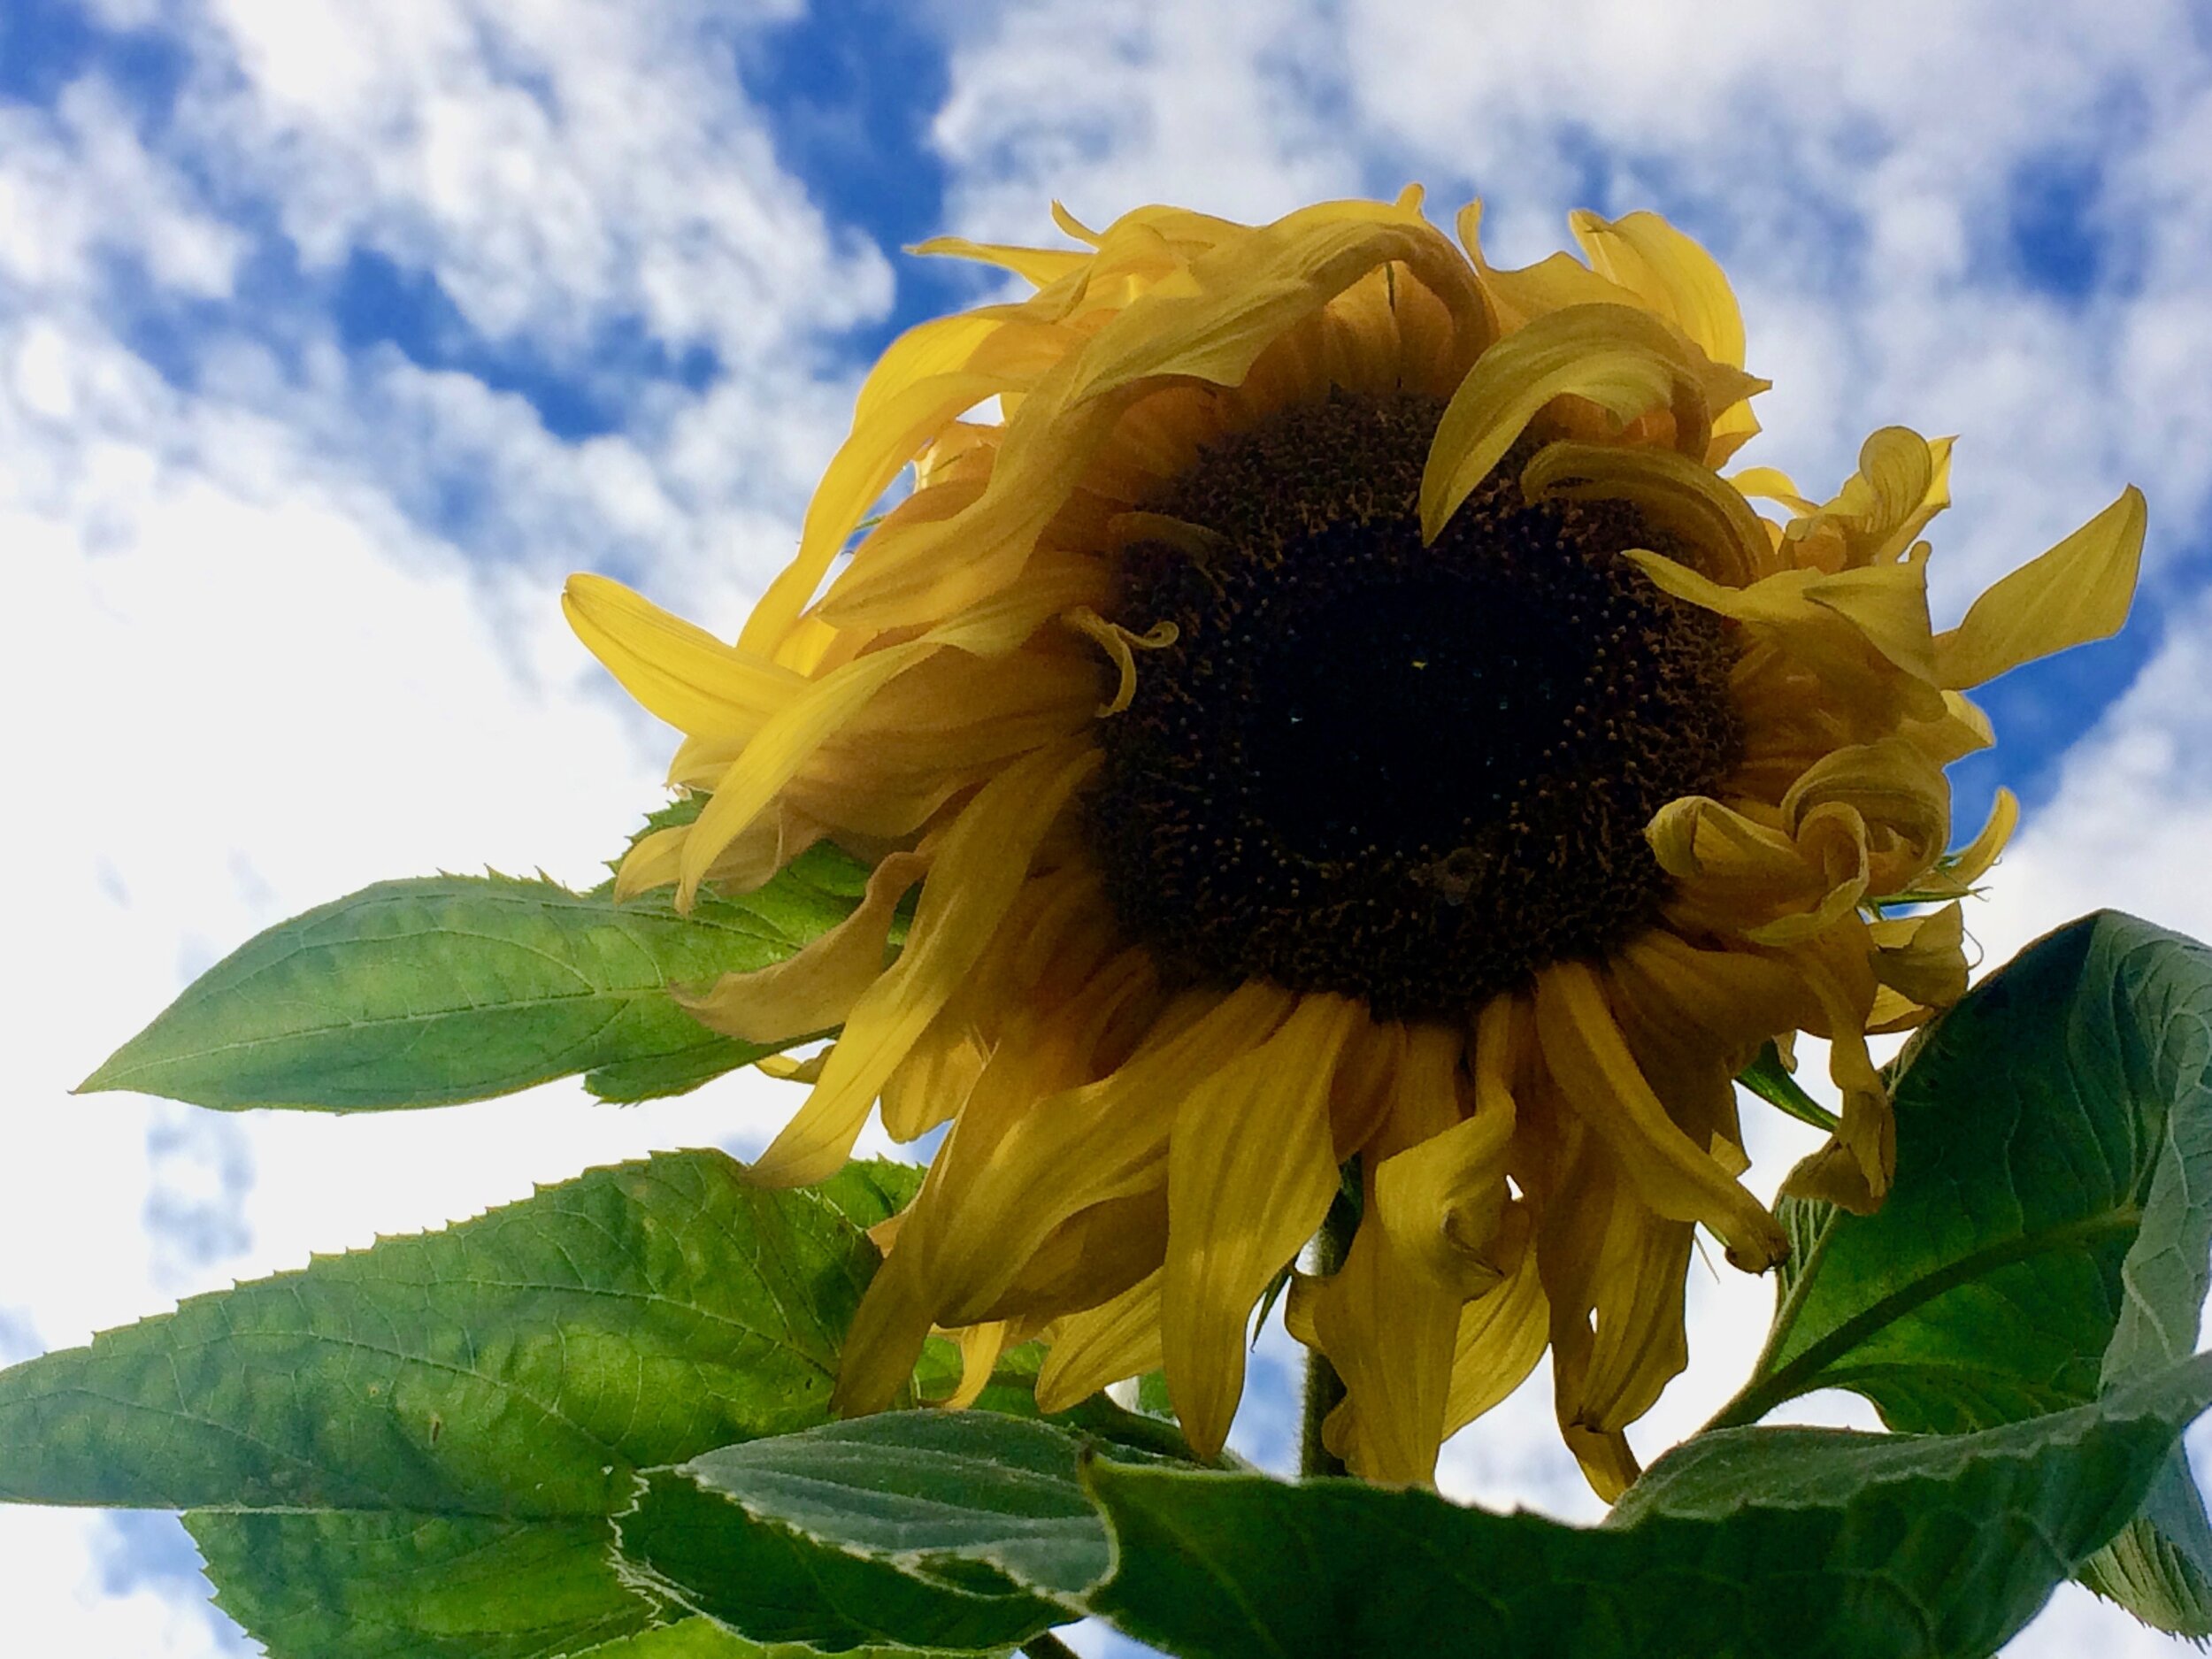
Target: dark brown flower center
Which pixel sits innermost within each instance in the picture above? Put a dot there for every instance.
(1410, 774)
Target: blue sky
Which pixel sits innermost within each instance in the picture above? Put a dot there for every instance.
(333, 336)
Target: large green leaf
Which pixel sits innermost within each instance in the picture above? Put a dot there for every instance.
(519, 1364)
(936, 1528)
(414, 1449)
(430, 992)
(352, 1584)
(917, 1487)
(395, 1585)
(1742, 1544)
(698, 1550)
(2049, 1229)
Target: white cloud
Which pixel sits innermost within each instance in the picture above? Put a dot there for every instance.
(559, 167)
(78, 184)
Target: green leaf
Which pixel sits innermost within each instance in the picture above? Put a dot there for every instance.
(952, 1529)
(1740, 1545)
(352, 1585)
(452, 988)
(413, 1450)
(2049, 1230)
(698, 1550)
(911, 1487)
(355, 1585)
(518, 1365)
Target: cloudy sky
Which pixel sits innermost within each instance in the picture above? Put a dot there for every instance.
(334, 335)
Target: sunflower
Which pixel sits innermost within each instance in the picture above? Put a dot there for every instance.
(1353, 745)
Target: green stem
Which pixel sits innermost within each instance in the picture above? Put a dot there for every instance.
(1324, 1388)
(1045, 1645)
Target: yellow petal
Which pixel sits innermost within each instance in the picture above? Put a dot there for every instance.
(1041, 267)
(1390, 1329)
(981, 865)
(816, 989)
(1439, 1201)
(1121, 645)
(885, 1340)
(929, 1086)
(1977, 857)
(1116, 1340)
(1885, 605)
(1639, 1346)
(1922, 957)
(1960, 730)
(779, 749)
(682, 673)
(1673, 492)
(1250, 1174)
(857, 475)
(1671, 274)
(1031, 1149)
(1501, 1338)
(1599, 1077)
(2079, 591)
(1767, 483)
(1904, 799)
(1231, 303)
(1624, 360)
(1552, 284)
(980, 1346)
(1839, 971)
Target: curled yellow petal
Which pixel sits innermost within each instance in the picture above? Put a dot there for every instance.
(1672, 492)
(1624, 360)
(1233, 302)
(1669, 273)
(1121, 645)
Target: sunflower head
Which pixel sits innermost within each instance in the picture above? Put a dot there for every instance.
(1341, 720)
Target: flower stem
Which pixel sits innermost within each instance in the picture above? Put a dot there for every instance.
(1324, 1388)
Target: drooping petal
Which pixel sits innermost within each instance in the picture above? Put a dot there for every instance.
(1501, 1338)
(1599, 1079)
(976, 874)
(1120, 1337)
(1250, 1174)
(1389, 1316)
(816, 989)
